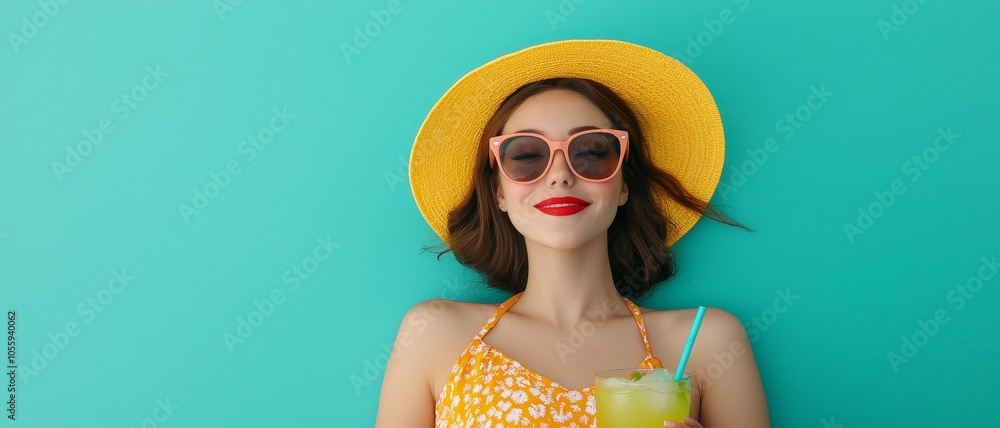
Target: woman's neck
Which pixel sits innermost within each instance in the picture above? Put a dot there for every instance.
(564, 287)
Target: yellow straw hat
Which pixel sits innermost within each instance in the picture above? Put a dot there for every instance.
(675, 111)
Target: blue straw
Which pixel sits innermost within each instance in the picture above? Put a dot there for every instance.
(690, 343)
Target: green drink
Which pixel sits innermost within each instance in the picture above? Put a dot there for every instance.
(640, 398)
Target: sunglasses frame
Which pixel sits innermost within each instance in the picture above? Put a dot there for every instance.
(494, 144)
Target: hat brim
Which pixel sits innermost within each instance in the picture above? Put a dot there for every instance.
(677, 114)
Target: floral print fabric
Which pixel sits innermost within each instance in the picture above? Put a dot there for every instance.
(488, 389)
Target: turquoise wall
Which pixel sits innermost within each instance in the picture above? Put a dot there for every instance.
(205, 217)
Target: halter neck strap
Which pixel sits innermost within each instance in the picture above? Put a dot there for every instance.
(496, 315)
(649, 362)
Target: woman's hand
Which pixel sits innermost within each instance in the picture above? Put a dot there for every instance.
(688, 423)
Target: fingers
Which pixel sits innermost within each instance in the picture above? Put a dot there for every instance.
(688, 423)
(692, 423)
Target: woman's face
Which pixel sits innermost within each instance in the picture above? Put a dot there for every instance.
(554, 114)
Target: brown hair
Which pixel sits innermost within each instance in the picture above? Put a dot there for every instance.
(484, 239)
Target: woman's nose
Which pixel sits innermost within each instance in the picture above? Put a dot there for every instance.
(560, 170)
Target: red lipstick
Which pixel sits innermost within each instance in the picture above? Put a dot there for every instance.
(563, 205)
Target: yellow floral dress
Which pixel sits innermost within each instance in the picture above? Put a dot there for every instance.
(491, 390)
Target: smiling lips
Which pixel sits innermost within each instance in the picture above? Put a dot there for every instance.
(566, 205)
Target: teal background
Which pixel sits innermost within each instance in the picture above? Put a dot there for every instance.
(337, 172)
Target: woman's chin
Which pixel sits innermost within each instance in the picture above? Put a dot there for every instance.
(569, 240)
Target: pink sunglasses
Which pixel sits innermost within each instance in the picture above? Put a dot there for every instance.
(594, 155)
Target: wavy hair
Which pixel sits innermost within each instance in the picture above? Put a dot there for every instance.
(484, 239)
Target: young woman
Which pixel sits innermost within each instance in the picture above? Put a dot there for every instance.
(562, 173)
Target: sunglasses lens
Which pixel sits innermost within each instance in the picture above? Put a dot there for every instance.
(595, 155)
(524, 158)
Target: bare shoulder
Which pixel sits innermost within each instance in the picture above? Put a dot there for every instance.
(440, 330)
(722, 362)
(718, 325)
(431, 336)
(438, 320)
(720, 336)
